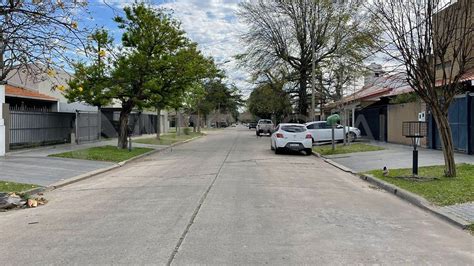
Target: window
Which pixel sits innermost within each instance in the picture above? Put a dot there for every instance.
(311, 126)
(293, 129)
(265, 122)
(321, 125)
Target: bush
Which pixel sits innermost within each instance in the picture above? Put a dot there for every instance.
(187, 131)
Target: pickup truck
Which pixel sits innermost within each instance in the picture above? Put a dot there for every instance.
(264, 126)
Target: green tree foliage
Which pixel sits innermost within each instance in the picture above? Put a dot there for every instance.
(152, 42)
(221, 98)
(91, 82)
(267, 101)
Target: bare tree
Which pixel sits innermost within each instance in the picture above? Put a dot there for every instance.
(38, 32)
(433, 40)
(283, 31)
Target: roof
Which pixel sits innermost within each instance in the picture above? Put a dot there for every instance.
(379, 87)
(468, 76)
(18, 92)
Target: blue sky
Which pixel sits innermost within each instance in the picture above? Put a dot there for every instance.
(213, 24)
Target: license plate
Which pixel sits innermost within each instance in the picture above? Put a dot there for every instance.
(294, 145)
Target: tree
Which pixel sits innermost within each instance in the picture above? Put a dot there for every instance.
(221, 98)
(91, 82)
(432, 39)
(187, 68)
(283, 33)
(151, 37)
(193, 98)
(269, 99)
(38, 33)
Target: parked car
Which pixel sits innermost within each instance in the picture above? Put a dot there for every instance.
(252, 125)
(295, 137)
(264, 126)
(321, 131)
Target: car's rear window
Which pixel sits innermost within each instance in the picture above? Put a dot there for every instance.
(265, 121)
(293, 129)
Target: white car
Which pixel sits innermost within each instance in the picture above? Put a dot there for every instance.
(321, 131)
(294, 137)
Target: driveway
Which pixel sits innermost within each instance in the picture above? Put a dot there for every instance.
(33, 166)
(227, 199)
(394, 156)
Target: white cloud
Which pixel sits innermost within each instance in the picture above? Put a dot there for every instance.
(214, 25)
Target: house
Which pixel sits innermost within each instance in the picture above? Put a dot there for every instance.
(19, 98)
(47, 81)
(368, 107)
(379, 108)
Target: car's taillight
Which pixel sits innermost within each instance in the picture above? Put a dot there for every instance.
(279, 135)
(308, 136)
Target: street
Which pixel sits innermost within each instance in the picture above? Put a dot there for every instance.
(227, 198)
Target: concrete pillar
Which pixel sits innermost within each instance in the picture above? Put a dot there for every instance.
(353, 116)
(2, 122)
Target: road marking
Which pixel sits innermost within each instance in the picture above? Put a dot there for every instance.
(201, 202)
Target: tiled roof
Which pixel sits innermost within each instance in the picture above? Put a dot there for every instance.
(468, 76)
(17, 92)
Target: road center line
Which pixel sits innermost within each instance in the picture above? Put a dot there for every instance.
(201, 202)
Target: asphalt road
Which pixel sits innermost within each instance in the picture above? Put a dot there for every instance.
(227, 199)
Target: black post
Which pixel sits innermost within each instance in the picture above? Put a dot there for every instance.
(415, 158)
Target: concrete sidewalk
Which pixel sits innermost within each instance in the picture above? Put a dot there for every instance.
(394, 156)
(400, 156)
(33, 166)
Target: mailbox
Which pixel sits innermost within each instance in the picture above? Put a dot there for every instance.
(333, 119)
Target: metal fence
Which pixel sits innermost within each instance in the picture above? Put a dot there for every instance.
(39, 128)
(28, 129)
(87, 126)
(140, 123)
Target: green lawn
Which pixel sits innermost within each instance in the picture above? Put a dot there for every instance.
(168, 139)
(8, 186)
(104, 153)
(341, 149)
(441, 191)
(471, 228)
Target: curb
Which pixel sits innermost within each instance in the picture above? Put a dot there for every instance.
(88, 175)
(401, 193)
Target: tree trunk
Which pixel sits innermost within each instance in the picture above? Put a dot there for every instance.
(194, 123)
(302, 94)
(123, 126)
(446, 141)
(158, 123)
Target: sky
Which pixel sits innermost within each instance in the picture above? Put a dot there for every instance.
(213, 24)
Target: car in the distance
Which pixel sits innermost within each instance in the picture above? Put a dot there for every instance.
(295, 137)
(321, 131)
(264, 126)
(252, 125)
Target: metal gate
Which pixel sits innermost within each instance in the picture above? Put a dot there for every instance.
(458, 121)
(372, 122)
(39, 128)
(87, 126)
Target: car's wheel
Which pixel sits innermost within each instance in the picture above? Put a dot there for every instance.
(271, 147)
(308, 151)
(258, 133)
(277, 150)
(351, 136)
